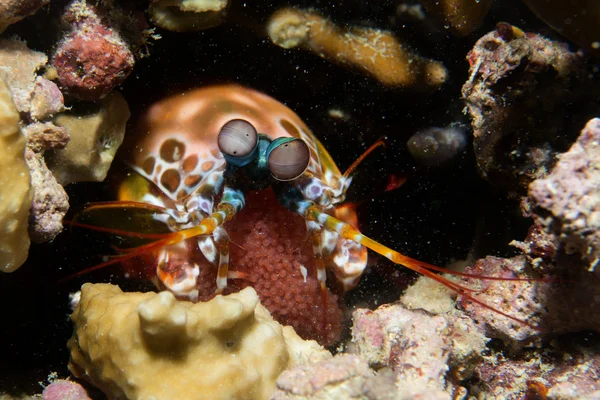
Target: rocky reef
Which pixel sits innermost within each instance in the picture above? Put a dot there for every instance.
(505, 146)
(485, 118)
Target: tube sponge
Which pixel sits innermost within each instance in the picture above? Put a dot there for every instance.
(373, 51)
(187, 15)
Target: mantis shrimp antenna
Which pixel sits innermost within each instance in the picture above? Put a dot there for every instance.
(313, 213)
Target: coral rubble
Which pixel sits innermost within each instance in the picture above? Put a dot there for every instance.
(18, 68)
(148, 345)
(38, 100)
(34, 95)
(50, 201)
(551, 308)
(567, 202)
(562, 242)
(42, 136)
(62, 389)
(426, 352)
(15, 186)
(563, 371)
(47, 99)
(523, 94)
(93, 58)
(343, 377)
(12, 11)
(375, 52)
(523, 300)
(395, 354)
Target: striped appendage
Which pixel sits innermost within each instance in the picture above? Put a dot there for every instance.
(313, 213)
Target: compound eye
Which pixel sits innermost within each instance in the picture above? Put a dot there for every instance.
(289, 160)
(237, 138)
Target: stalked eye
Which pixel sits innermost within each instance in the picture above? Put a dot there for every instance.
(289, 159)
(237, 138)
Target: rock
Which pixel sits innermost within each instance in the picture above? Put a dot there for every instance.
(527, 97)
(47, 99)
(567, 202)
(343, 377)
(18, 67)
(12, 11)
(50, 201)
(93, 58)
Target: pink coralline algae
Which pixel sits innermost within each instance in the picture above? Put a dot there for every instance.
(50, 201)
(93, 58)
(523, 300)
(427, 354)
(345, 376)
(567, 202)
(568, 370)
(65, 390)
(564, 306)
(47, 99)
(397, 354)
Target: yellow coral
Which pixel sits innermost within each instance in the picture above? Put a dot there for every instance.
(152, 346)
(187, 15)
(377, 53)
(95, 138)
(15, 186)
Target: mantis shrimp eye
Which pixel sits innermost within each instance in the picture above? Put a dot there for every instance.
(289, 160)
(237, 138)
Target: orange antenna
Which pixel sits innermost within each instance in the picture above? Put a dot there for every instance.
(379, 143)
